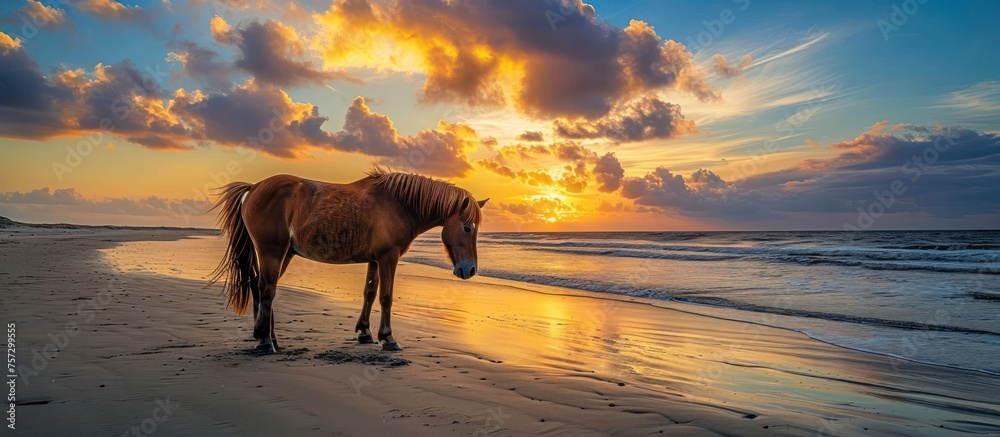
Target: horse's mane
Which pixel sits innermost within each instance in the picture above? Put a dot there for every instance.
(426, 197)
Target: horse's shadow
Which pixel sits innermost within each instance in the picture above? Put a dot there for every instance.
(335, 356)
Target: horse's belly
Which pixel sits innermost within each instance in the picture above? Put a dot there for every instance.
(331, 249)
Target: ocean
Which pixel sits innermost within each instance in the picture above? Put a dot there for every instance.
(927, 296)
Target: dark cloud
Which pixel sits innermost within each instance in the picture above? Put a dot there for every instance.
(123, 101)
(29, 101)
(547, 58)
(35, 16)
(531, 136)
(273, 53)
(441, 151)
(572, 151)
(650, 63)
(645, 119)
(253, 115)
(118, 98)
(202, 64)
(608, 173)
(937, 171)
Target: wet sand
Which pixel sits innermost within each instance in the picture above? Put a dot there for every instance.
(150, 349)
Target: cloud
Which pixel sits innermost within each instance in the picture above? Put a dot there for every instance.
(273, 53)
(981, 97)
(294, 12)
(977, 106)
(221, 31)
(29, 109)
(934, 171)
(580, 166)
(531, 136)
(535, 178)
(523, 151)
(201, 64)
(644, 119)
(510, 53)
(43, 196)
(253, 115)
(125, 102)
(608, 173)
(117, 98)
(539, 210)
(112, 10)
(496, 167)
(604, 206)
(67, 204)
(722, 67)
(37, 14)
(441, 151)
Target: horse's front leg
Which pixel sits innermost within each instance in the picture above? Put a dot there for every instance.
(363, 328)
(386, 274)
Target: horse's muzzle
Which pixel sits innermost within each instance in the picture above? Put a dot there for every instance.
(465, 269)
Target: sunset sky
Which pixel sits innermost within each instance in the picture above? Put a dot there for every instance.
(608, 115)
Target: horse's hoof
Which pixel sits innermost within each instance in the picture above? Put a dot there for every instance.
(366, 339)
(391, 346)
(265, 349)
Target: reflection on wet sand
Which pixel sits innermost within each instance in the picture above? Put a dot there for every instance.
(576, 348)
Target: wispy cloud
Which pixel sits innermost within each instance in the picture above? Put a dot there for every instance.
(977, 105)
(782, 74)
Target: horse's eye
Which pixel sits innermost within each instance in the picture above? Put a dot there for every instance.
(467, 228)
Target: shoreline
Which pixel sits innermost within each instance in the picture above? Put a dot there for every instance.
(548, 363)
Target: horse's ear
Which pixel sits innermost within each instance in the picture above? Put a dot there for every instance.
(483, 202)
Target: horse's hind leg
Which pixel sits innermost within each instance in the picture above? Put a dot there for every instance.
(269, 269)
(255, 294)
(284, 265)
(371, 288)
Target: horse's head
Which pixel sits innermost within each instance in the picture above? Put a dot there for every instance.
(459, 236)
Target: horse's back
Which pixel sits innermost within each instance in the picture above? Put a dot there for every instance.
(325, 222)
(270, 206)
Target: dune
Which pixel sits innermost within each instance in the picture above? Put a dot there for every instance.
(116, 334)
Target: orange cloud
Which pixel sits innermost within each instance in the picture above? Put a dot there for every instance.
(112, 10)
(722, 67)
(222, 33)
(509, 54)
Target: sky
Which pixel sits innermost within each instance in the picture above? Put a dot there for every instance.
(569, 116)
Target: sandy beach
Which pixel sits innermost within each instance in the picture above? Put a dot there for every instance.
(116, 334)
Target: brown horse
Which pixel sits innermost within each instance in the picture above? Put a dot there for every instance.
(372, 220)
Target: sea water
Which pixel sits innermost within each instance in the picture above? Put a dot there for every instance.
(929, 296)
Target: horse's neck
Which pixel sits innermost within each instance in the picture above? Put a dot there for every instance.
(424, 224)
(424, 217)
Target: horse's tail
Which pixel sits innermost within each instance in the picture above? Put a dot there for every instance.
(239, 265)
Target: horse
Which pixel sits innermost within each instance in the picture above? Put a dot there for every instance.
(373, 220)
